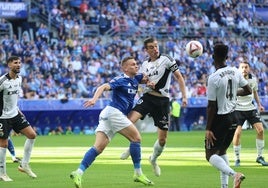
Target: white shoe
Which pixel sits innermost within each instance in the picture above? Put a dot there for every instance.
(4, 177)
(156, 168)
(26, 169)
(125, 154)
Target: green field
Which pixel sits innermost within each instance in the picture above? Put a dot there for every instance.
(183, 163)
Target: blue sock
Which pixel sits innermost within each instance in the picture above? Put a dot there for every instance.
(135, 152)
(10, 147)
(88, 159)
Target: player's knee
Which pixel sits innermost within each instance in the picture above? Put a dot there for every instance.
(3, 143)
(31, 135)
(162, 141)
(260, 132)
(136, 138)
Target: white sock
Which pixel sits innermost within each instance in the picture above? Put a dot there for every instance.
(28, 146)
(3, 160)
(157, 151)
(260, 147)
(79, 171)
(221, 165)
(224, 177)
(237, 150)
(138, 171)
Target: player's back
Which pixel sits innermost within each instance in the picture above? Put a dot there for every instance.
(223, 86)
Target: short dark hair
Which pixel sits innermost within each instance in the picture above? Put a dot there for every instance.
(12, 58)
(245, 62)
(148, 40)
(220, 51)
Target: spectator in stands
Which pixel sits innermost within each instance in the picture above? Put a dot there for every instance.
(199, 124)
(2, 54)
(59, 130)
(83, 8)
(104, 21)
(69, 130)
(220, 10)
(43, 32)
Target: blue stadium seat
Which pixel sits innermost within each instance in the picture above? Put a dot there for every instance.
(76, 130)
(46, 130)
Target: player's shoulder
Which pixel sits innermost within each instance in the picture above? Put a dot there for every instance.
(166, 56)
(3, 78)
(252, 77)
(118, 78)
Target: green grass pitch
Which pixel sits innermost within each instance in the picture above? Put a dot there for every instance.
(182, 163)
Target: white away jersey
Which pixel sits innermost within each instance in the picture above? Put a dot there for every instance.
(245, 103)
(222, 87)
(9, 94)
(159, 72)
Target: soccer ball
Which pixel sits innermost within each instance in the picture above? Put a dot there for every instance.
(194, 48)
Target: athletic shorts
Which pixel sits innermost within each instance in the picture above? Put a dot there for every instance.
(223, 127)
(112, 120)
(157, 107)
(16, 123)
(252, 116)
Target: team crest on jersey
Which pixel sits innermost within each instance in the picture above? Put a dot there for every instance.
(139, 101)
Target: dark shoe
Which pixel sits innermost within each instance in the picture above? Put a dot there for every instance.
(261, 161)
(16, 160)
(237, 163)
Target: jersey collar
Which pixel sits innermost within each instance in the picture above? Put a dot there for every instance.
(8, 76)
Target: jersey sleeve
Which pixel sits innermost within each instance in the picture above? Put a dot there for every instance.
(172, 64)
(255, 86)
(211, 90)
(242, 80)
(114, 83)
(139, 77)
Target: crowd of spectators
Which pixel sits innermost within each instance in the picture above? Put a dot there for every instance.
(73, 65)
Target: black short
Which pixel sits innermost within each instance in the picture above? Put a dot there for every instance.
(223, 127)
(157, 107)
(16, 123)
(252, 116)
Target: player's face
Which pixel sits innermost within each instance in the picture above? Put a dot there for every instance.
(244, 68)
(15, 66)
(153, 50)
(132, 67)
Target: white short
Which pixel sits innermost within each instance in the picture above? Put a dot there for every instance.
(112, 120)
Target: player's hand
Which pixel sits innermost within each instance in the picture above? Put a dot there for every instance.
(89, 103)
(145, 79)
(184, 102)
(210, 138)
(261, 108)
(150, 84)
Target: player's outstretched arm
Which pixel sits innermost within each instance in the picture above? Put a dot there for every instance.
(97, 94)
(181, 82)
